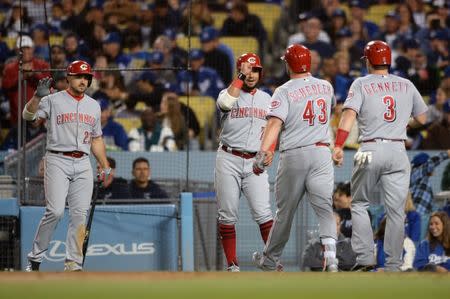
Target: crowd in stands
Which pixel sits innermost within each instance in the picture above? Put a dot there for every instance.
(424, 249)
(140, 33)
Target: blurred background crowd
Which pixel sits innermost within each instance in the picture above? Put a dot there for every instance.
(149, 110)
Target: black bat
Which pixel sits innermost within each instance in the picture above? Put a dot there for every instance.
(97, 185)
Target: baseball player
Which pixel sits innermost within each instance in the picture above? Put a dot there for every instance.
(301, 110)
(383, 105)
(243, 117)
(74, 130)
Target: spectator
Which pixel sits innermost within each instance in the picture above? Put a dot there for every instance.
(151, 136)
(58, 61)
(164, 17)
(149, 90)
(391, 27)
(17, 20)
(125, 10)
(10, 80)
(439, 51)
(299, 36)
(113, 50)
(425, 76)
(174, 118)
(438, 134)
(142, 187)
(433, 253)
(404, 61)
(242, 23)
(412, 221)
(422, 167)
(201, 80)
(409, 249)
(129, 109)
(436, 110)
(114, 134)
(343, 79)
(74, 51)
(338, 22)
(312, 31)
(418, 10)
(342, 201)
(33, 129)
(198, 16)
(179, 54)
(163, 45)
(313, 260)
(215, 58)
(358, 9)
(408, 26)
(114, 187)
(40, 35)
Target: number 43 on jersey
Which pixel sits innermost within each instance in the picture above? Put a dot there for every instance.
(315, 108)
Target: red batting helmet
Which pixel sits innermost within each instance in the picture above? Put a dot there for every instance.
(378, 53)
(80, 67)
(252, 58)
(298, 57)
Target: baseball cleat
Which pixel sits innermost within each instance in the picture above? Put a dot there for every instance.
(71, 267)
(32, 266)
(233, 268)
(363, 268)
(257, 259)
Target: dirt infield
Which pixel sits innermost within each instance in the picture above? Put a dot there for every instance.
(246, 285)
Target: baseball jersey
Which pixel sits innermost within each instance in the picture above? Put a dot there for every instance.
(244, 124)
(304, 105)
(71, 123)
(384, 104)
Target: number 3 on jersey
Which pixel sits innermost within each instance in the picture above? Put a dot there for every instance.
(310, 112)
(390, 114)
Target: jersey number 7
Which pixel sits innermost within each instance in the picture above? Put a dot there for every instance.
(311, 111)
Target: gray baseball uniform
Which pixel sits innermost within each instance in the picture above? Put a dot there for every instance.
(304, 105)
(71, 124)
(240, 139)
(384, 105)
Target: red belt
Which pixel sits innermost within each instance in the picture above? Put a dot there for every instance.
(381, 139)
(245, 155)
(73, 154)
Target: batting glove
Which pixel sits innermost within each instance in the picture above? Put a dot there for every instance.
(363, 158)
(258, 165)
(104, 175)
(43, 88)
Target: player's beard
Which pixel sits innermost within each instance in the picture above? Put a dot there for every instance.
(248, 88)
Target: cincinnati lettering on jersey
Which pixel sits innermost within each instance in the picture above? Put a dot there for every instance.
(72, 117)
(373, 88)
(242, 112)
(308, 91)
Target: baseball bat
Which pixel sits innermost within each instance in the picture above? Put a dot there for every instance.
(87, 233)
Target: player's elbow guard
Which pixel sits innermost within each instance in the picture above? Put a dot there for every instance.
(27, 115)
(226, 101)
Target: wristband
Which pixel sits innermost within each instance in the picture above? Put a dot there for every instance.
(241, 76)
(341, 136)
(238, 83)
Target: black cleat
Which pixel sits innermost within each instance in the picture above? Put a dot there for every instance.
(32, 266)
(363, 268)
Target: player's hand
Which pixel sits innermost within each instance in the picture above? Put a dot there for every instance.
(269, 158)
(362, 158)
(258, 164)
(43, 88)
(338, 156)
(246, 68)
(103, 176)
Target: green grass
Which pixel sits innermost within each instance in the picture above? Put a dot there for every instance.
(224, 285)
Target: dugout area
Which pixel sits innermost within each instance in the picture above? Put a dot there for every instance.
(223, 285)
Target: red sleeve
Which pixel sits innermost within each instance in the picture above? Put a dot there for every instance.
(41, 64)
(10, 75)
